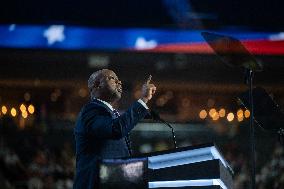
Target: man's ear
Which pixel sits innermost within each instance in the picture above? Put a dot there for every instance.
(97, 84)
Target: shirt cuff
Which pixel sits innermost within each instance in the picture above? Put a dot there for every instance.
(143, 104)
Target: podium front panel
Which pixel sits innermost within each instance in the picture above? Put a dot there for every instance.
(123, 174)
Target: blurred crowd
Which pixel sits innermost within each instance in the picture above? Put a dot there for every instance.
(35, 165)
(269, 175)
(29, 161)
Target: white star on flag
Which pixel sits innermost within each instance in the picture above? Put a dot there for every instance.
(277, 37)
(54, 33)
(141, 43)
(12, 27)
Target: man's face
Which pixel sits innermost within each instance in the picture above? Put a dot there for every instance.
(110, 86)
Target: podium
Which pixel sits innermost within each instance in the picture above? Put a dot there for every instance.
(193, 167)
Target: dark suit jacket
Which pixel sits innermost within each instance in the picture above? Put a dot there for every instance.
(98, 134)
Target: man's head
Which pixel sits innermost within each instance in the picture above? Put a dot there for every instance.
(105, 85)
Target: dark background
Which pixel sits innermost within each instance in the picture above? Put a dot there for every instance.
(56, 81)
(255, 14)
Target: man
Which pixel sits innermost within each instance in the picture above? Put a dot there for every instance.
(100, 132)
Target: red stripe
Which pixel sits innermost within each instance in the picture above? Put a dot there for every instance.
(260, 47)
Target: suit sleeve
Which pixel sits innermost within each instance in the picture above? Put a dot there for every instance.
(101, 125)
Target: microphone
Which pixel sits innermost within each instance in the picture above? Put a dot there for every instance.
(155, 116)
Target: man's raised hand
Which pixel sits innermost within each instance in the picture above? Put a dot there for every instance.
(148, 90)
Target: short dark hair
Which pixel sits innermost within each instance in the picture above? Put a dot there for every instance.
(94, 77)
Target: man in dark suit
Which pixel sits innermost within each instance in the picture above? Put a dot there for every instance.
(100, 131)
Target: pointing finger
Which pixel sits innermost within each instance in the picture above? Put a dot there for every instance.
(149, 80)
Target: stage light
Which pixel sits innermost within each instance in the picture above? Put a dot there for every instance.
(212, 112)
(23, 108)
(240, 113)
(31, 109)
(230, 117)
(25, 114)
(240, 119)
(247, 114)
(222, 112)
(4, 109)
(202, 114)
(216, 116)
(13, 112)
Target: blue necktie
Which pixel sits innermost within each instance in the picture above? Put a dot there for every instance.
(116, 113)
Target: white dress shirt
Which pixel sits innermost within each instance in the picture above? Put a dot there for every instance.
(112, 109)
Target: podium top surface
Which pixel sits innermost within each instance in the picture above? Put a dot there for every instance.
(184, 155)
(182, 149)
